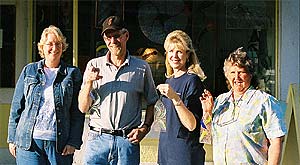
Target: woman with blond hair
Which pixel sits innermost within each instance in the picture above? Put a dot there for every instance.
(45, 125)
(179, 144)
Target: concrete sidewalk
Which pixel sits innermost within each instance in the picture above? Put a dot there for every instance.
(6, 158)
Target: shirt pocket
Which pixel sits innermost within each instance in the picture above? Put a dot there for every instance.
(30, 82)
(67, 87)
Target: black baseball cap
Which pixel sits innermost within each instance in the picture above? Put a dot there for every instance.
(112, 23)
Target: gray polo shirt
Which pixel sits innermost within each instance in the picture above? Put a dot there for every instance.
(119, 93)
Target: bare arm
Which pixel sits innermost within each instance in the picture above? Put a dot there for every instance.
(206, 122)
(136, 135)
(274, 152)
(186, 117)
(84, 98)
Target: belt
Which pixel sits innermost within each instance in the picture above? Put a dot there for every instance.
(115, 132)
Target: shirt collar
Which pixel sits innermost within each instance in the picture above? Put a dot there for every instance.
(62, 68)
(126, 62)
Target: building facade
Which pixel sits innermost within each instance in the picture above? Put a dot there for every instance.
(267, 29)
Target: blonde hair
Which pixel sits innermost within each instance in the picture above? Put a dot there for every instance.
(182, 40)
(238, 58)
(60, 37)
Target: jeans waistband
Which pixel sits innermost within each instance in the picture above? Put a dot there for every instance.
(115, 132)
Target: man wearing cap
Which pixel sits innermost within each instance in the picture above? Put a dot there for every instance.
(113, 88)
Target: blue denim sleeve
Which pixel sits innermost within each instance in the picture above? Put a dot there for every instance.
(77, 118)
(17, 106)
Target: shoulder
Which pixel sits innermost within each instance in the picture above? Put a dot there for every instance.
(97, 62)
(98, 59)
(32, 66)
(192, 78)
(262, 95)
(137, 60)
(223, 96)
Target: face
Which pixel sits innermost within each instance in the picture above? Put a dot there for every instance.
(238, 78)
(52, 48)
(116, 42)
(177, 58)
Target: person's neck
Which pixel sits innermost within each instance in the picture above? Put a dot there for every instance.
(51, 64)
(239, 94)
(178, 73)
(117, 60)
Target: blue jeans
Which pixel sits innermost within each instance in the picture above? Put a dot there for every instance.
(106, 149)
(42, 152)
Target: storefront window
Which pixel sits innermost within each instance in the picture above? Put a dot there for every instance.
(59, 14)
(7, 45)
(216, 28)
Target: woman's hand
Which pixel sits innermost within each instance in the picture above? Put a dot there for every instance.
(207, 102)
(12, 149)
(167, 90)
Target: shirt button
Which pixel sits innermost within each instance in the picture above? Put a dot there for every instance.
(57, 108)
(58, 120)
(59, 133)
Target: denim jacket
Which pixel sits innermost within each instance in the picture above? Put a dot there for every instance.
(26, 100)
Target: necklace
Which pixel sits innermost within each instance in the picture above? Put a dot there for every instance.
(236, 102)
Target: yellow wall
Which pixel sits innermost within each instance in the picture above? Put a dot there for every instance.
(4, 110)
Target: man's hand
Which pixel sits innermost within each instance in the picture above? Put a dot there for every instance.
(137, 135)
(93, 74)
(68, 150)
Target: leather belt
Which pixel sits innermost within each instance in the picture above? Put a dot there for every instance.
(115, 132)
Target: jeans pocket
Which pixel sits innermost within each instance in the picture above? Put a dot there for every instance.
(92, 136)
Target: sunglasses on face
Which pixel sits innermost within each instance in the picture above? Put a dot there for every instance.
(116, 35)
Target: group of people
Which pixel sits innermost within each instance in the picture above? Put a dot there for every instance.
(50, 99)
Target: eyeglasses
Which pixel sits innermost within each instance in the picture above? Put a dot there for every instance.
(109, 36)
(52, 44)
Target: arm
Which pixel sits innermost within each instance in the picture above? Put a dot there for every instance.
(186, 117)
(17, 107)
(84, 98)
(274, 151)
(136, 135)
(76, 117)
(206, 122)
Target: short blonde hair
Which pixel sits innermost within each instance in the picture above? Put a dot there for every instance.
(60, 37)
(183, 41)
(238, 58)
(241, 59)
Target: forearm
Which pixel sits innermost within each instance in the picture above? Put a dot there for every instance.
(149, 116)
(84, 98)
(186, 117)
(274, 151)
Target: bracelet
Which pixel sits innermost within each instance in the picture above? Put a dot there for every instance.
(207, 119)
(177, 102)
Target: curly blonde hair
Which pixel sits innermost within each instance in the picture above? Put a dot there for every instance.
(183, 41)
(241, 59)
(60, 37)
